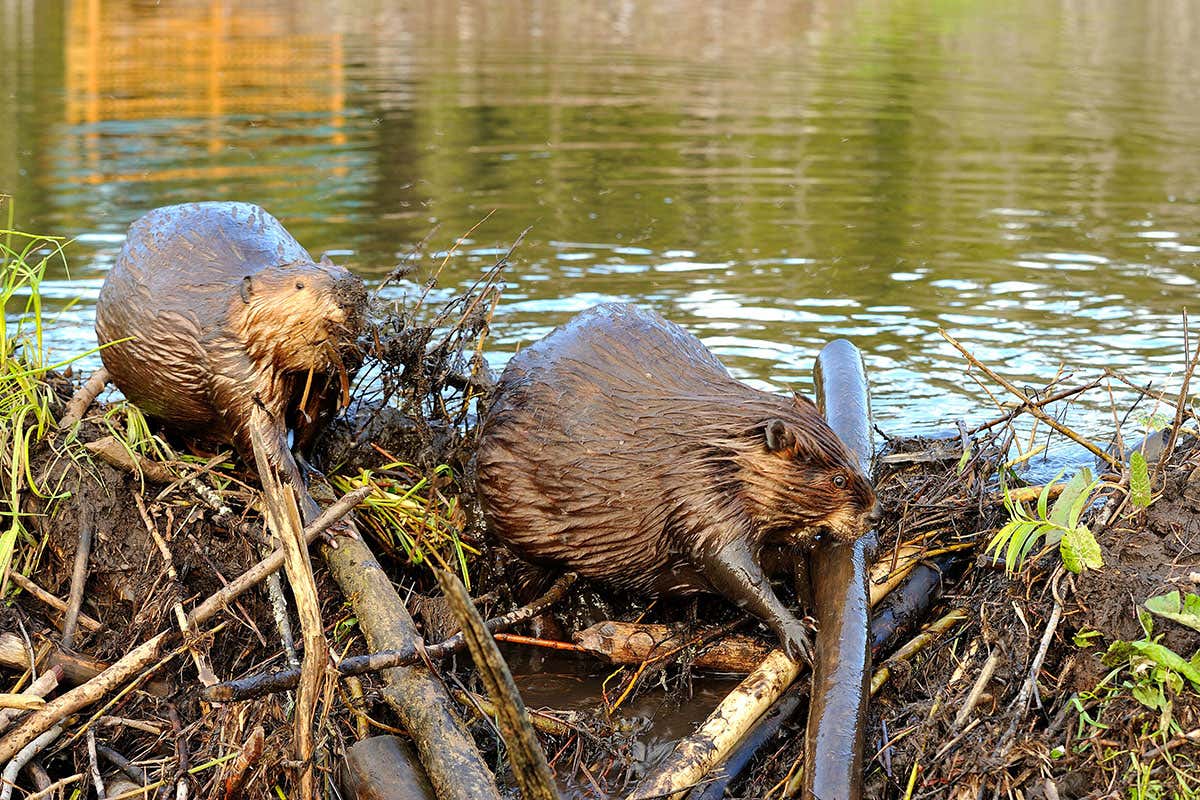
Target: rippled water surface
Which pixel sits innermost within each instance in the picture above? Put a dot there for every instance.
(769, 174)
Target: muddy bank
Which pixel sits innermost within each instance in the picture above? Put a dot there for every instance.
(1023, 687)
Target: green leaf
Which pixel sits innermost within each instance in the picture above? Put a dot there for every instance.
(1080, 550)
(1161, 655)
(1184, 610)
(1084, 638)
(1139, 480)
(1075, 488)
(1150, 695)
(966, 456)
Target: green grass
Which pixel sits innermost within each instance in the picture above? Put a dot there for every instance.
(26, 417)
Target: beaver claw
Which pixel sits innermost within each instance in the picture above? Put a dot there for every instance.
(796, 642)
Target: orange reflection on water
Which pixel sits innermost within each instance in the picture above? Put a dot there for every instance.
(208, 60)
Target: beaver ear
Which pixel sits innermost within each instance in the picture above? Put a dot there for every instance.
(246, 289)
(779, 436)
(804, 402)
(325, 261)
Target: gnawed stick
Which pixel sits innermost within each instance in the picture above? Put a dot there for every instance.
(694, 756)
(283, 518)
(84, 396)
(525, 755)
(454, 766)
(81, 696)
(46, 683)
(916, 645)
(258, 685)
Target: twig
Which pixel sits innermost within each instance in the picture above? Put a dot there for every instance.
(83, 552)
(46, 598)
(83, 397)
(18, 760)
(916, 645)
(94, 764)
(1183, 393)
(133, 771)
(257, 685)
(235, 775)
(203, 669)
(183, 757)
(977, 689)
(1045, 401)
(1032, 406)
(256, 574)
(1022, 702)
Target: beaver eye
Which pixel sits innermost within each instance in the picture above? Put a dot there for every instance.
(839, 481)
(299, 284)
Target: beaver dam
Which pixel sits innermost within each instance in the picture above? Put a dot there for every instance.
(1026, 640)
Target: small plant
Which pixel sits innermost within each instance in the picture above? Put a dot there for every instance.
(409, 513)
(1057, 525)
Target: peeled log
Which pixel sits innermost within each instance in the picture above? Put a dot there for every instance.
(842, 667)
(633, 643)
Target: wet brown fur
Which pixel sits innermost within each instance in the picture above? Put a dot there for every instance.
(620, 447)
(224, 310)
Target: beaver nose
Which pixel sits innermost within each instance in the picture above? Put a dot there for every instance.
(876, 515)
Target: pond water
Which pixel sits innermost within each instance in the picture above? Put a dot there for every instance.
(770, 174)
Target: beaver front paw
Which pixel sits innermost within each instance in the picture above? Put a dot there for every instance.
(796, 642)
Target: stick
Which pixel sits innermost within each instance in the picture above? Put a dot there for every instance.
(454, 765)
(916, 645)
(84, 396)
(1179, 406)
(525, 756)
(203, 669)
(977, 689)
(46, 683)
(94, 764)
(1033, 408)
(258, 573)
(18, 760)
(258, 685)
(283, 517)
(83, 552)
(88, 623)
(82, 696)
(694, 756)
(1045, 401)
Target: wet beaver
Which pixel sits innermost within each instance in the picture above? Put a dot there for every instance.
(226, 310)
(620, 447)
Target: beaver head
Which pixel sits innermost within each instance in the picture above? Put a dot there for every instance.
(300, 316)
(797, 476)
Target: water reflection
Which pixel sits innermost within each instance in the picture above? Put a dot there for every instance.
(769, 174)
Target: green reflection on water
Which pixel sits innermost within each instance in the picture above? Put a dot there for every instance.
(769, 174)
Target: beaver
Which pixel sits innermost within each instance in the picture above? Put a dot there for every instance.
(621, 448)
(214, 308)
